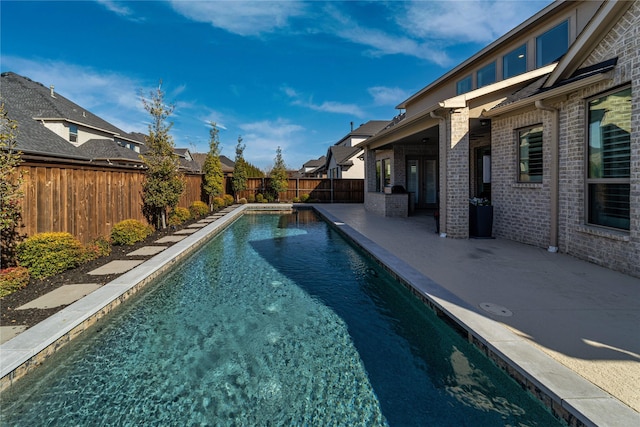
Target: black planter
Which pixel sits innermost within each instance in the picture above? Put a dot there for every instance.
(480, 221)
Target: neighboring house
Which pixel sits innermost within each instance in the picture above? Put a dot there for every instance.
(544, 122)
(226, 163)
(344, 159)
(316, 168)
(52, 127)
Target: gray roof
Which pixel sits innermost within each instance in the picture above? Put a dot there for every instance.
(316, 162)
(343, 155)
(536, 87)
(24, 100)
(367, 129)
(106, 149)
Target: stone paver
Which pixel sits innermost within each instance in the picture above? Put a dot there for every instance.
(170, 239)
(115, 267)
(8, 332)
(64, 295)
(197, 225)
(147, 250)
(185, 231)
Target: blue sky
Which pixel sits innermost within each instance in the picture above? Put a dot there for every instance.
(285, 73)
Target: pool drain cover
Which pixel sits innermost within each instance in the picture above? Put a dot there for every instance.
(496, 309)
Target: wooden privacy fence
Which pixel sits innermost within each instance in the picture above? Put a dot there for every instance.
(86, 201)
(323, 190)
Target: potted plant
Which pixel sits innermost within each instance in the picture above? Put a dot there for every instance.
(480, 217)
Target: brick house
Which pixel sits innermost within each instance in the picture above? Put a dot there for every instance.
(544, 122)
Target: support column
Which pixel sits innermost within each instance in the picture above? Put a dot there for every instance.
(457, 175)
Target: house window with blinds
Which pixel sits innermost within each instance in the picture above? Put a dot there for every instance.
(530, 154)
(609, 160)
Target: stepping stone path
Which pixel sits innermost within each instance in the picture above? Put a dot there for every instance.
(64, 295)
(170, 239)
(186, 231)
(147, 250)
(115, 267)
(197, 225)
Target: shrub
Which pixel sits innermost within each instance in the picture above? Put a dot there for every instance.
(218, 203)
(304, 198)
(228, 199)
(243, 201)
(251, 198)
(130, 231)
(259, 198)
(296, 199)
(179, 215)
(97, 248)
(12, 279)
(46, 254)
(198, 209)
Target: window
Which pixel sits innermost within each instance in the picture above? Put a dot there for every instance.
(464, 85)
(73, 133)
(487, 75)
(386, 167)
(378, 176)
(530, 154)
(551, 45)
(514, 62)
(609, 160)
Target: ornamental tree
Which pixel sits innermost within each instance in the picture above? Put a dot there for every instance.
(11, 179)
(279, 178)
(213, 184)
(239, 180)
(164, 183)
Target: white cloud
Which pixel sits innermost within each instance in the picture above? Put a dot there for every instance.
(262, 138)
(465, 21)
(120, 9)
(380, 42)
(326, 106)
(383, 95)
(246, 18)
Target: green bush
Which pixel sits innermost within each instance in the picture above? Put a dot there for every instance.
(97, 248)
(46, 254)
(179, 215)
(304, 198)
(296, 199)
(218, 203)
(259, 198)
(243, 201)
(198, 209)
(251, 198)
(130, 231)
(228, 199)
(12, 279)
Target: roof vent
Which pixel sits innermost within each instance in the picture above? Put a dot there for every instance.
(53, 95)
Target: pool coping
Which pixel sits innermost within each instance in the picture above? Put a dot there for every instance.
(29, 349)
(569, 396)
(565, 393)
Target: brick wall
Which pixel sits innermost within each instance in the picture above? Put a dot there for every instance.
(521, 211)
(457, 179)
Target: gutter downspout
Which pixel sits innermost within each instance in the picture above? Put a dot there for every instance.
(442, 214)
(554, 175)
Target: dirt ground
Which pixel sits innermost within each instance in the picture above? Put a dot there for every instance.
(9, 316)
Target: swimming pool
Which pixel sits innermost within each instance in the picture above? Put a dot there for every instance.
(276, 321)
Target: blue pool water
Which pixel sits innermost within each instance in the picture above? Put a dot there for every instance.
(277, 321)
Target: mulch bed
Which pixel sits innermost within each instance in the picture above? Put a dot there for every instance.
(9, 316)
